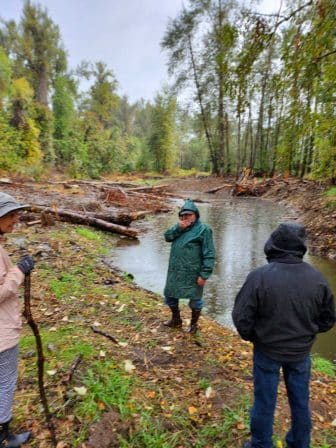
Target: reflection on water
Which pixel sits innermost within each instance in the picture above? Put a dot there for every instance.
(240, 227)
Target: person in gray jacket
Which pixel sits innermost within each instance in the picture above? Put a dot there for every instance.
(281, 308)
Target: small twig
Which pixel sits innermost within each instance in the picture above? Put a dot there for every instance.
(40, 358)
(73, 367)
(32, 223)
(108, 336)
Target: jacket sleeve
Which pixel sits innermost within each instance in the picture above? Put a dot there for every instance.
(10, 282)
(172, 233)
(245, 308)
(326, 318)
(208, 254)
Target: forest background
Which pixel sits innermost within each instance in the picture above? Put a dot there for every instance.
(260, 92)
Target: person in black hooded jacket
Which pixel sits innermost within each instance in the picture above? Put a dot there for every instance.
(280, 308)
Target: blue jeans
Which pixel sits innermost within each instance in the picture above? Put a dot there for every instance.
(266, 374)
(196, 304)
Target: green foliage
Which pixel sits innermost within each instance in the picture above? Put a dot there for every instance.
(331, 192)
(324, 366)
(5, 75)
(9, 139)
(261, 94)
(44, 120)
(64, 115)
(161, 141)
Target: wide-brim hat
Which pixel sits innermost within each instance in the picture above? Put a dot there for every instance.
(9, 204)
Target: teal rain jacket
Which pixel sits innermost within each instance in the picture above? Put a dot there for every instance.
(192, 255)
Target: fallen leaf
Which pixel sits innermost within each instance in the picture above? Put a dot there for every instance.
(81, 390)
(51, 372)
(167, 348)
(119, 310)
(62, 445)
(192, 410)
(129, 366)
(209, 392)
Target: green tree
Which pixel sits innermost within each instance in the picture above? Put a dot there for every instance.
(161, 142)
(5, 76)
(64, 112)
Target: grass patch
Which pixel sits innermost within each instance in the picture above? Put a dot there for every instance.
(65, 284)
(324, 366)
(222, 433)
(151, 434)
(106, 386)
(88, 234)
(330, 192)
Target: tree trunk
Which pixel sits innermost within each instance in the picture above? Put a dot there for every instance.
(227, 141)
(238, 146)
(42, 87)
(200, 100)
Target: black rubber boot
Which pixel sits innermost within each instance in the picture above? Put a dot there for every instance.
(9, 440)
(195, 314)
(175, 321)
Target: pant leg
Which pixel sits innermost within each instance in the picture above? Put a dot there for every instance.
(266, 374)
(196, 304)
(171, 301)
(8, 378)
(297, 377)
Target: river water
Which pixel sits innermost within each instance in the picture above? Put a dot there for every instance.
(240, 227)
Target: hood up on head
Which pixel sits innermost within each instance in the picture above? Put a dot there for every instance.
(287, 241)
(189, 206)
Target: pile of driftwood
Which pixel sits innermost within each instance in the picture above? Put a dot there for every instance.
(109, 206)
(248, 184)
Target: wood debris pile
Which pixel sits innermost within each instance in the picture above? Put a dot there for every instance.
(249, 184)
(110, 206)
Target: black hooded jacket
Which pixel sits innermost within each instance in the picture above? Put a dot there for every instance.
(284, 304)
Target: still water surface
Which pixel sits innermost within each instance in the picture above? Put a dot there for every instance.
(240, 228)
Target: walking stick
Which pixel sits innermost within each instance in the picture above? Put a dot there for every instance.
(40, 358)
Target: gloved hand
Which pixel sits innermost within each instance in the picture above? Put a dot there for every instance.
(26, 264)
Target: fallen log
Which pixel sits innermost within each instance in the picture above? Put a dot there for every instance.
(213, 190)
(148, 188)
(122, 219)
(77, 218)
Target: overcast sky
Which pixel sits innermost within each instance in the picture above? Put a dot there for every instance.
(125, 34)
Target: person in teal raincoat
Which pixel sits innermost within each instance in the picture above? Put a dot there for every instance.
(191, 262)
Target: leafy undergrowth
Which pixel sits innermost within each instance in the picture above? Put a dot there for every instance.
(152, 387)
